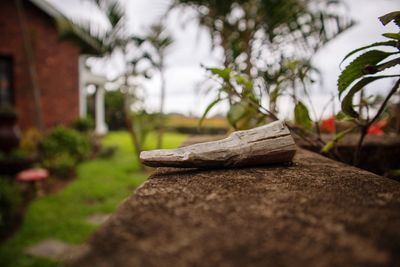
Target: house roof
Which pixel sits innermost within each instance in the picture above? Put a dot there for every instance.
(69, 30)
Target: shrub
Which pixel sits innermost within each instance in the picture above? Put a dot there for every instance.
(30, 141)
(83, 125)
(369, 66)
(62, 165)
(10, 204)
(63, 149)
(63, 140)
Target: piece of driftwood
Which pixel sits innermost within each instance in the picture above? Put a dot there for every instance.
(267, 144)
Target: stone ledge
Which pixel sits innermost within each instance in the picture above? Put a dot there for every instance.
(317, 212)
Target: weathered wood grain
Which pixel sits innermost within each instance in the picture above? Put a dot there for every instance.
(267, 144)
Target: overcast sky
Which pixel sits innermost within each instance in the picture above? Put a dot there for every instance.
(192, 48)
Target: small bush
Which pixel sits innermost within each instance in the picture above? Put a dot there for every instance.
(62, 165)
(63, 140)
(83, 125)
(10, 204)
(63, 149)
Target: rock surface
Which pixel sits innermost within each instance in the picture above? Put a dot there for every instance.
(317, 212)
(56, 250)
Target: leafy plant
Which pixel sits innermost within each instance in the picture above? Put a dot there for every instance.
(30, 141)
(65, 140)
(254, 32)
(370, 66)
(256, 37)
(83, 125)
(61, 165)
(62, 149)
(245, 109)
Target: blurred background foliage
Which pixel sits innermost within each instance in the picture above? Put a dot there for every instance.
(268, 47)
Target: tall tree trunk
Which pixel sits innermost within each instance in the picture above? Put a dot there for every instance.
(31, 65)
(161, 126)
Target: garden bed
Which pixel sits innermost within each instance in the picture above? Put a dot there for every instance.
(379, 154)
(317, 212)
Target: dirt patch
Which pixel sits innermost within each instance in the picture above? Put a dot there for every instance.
(317, 212)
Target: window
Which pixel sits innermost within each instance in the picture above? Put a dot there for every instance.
(6, 85)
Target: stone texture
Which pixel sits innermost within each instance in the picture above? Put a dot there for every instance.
(317, 212)
(55, 250)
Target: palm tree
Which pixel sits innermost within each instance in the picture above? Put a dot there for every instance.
(160, 41)
(255, 31)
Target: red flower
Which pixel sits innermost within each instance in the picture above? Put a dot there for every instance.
(377, 128)
(328, 125)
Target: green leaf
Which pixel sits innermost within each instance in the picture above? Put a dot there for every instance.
(223, 73)
(339, 136)
(241, 80)
(356, 68)
(389, 64)
(347, 103)
(392, 35)
(341, 116)
(385, 19)
(302, 116)
(236, 112)
(275, 94)
(209, 107)
(114, 13)
(386, 43)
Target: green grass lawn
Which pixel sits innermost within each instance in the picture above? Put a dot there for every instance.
(101, 185)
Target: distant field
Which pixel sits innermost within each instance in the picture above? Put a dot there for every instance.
(176, 120)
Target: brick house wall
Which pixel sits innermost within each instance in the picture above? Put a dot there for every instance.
(57, 64)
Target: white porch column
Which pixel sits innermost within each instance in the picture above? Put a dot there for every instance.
(101, 126)
(82, 87)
